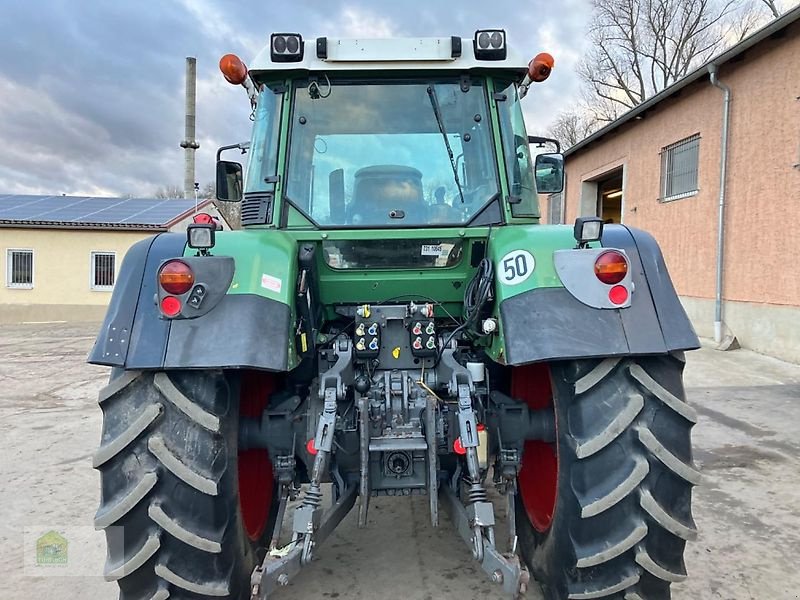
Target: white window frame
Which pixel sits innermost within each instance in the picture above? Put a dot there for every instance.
(667, 174)
(20, 286)
(92, 269)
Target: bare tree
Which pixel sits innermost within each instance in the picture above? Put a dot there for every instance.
(771, 6)
(571, 126)
(207, 191)
(169, 192)
(749, 19)
(639, 47)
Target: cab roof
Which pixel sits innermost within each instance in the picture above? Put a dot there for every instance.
(446, 54)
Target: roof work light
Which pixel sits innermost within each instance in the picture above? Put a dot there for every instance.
(286, 47)
(490, 44)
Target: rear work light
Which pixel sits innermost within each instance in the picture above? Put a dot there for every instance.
(611, 267)
(490, 44)
(200, 236)
(286, 47)
(175, 277)
(587, 229)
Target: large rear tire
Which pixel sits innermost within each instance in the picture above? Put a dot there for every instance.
(606, 511)
(184, 512)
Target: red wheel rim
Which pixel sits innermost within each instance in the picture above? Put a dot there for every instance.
(538, 477)
(256, 480)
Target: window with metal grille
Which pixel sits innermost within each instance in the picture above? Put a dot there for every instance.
(103, 264)
(554, 209)
(19, 269)
(679, 166)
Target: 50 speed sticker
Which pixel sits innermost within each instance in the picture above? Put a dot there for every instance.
(516, 266)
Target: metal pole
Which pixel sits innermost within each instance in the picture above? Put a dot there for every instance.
(723, 170)
(189, 143)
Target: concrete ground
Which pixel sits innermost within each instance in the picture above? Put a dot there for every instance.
(747, 510)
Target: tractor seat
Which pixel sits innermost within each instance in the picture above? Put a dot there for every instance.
(388, 194)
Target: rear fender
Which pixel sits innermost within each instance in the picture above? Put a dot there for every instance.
(550, 323)
(231, 330)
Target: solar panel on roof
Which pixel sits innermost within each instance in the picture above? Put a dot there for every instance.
(104, 208)
(168, 209)
(22, 208)
(71, 207)
(121, 211)
(158, 215)
(66, 213)
(18, 212)
(81, 209)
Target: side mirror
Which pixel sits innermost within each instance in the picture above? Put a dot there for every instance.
(229, 181)
(549, 173)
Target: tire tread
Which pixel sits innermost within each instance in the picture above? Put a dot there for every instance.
(621, 519)
(169, 501)
(139, 558)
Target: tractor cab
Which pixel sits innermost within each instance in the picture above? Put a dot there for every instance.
(354, 134)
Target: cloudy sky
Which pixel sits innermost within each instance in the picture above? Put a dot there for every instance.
(91, 91)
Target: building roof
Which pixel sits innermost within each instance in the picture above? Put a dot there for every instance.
(85, 212)
(702, 72)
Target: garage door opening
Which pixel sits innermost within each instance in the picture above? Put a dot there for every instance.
(609, 197)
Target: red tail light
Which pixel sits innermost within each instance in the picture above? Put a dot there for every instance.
(170, 306)
(175, 277)
(458, 447)
(611, 267)
(618, 294)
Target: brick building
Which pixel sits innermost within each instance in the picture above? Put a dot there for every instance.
(658, 168)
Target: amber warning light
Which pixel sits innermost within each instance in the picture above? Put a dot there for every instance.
(234, 70)
(539, 69)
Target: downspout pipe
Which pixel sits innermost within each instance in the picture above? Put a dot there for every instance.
(723, 172)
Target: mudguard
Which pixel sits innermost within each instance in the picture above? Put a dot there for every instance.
(241, 331)
(548, 323)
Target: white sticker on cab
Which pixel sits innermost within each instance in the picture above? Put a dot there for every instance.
(273, 284)
(516, 266)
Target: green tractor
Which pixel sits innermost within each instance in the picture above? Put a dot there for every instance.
(393, 320)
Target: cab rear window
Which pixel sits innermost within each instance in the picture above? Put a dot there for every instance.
(393, 254)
